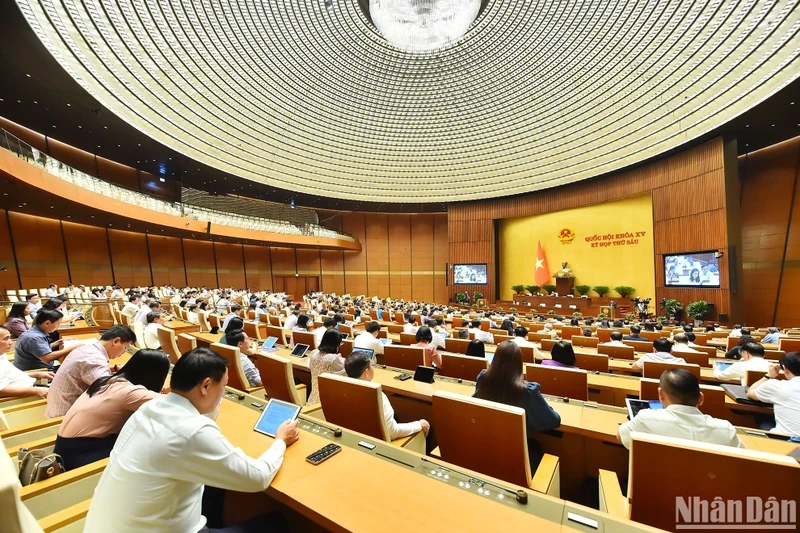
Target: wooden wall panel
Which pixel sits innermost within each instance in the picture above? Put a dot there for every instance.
(166, 260)
(40, 250)
(230, 265)
(283, 262)
(787, 310)
(377, 244)
(258, 266)
(422, 252)
(768, 184)
(9, 279)
(690, 206)
(129, 257)
(36, 140)
(69, 155)
(355, 264)
(399, 251)
(308, 263)
(199, 260)
(87, 252)
(116, 173)
(333, 278)
(441, 254)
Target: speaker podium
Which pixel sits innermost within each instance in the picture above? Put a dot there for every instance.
(564, 286)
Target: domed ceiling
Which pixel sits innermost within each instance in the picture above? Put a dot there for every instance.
(325, 97)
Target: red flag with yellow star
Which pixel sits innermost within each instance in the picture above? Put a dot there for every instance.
(541, 272)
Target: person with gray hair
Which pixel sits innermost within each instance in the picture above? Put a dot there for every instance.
(773, 336)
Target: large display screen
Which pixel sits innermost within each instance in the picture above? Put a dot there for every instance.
(470, 274)
(698, 269)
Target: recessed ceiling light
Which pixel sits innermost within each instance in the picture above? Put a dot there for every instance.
(28, 75)
(747, 125)
(69, 105)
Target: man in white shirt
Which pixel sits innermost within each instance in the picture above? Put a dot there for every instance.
(784, 395)
(320, 331)
(154, 321)
(222, 305)
(235, 309)
(51, 291)
(681, 344)
(13, 381)
(440, 332)
(358, 365)
(411, 325)
(168, 450)
(679, 393)
(150, 306)
(752, 359)
(132, 307)
(291, 321)
(483, 336)
(369, 338)
(736, 331)
(661, 349)
(616, 339)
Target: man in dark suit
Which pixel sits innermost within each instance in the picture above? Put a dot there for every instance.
(634, 336)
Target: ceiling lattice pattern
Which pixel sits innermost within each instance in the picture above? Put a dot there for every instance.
(309, 97)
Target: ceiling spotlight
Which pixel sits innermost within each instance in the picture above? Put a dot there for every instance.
(329, 4)
(162, 180)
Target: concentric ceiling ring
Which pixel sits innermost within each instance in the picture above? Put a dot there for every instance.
(311, 98)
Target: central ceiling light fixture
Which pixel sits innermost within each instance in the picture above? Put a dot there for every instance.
(423, 26)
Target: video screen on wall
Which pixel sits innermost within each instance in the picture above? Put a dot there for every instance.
(698, 269)
(470, 274)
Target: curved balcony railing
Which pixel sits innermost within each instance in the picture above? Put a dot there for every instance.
(81, 179)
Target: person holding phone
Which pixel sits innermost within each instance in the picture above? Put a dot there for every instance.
(172, 447)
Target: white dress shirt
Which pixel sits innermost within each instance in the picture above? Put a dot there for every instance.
(522, 341)
(368, 340)
(291, 321)
(11, 376)
(410, 328)
(151, 336)
(614, 343)
(227, 320)
(658, 357)
(735, 333)
(681, 422)
(738, 370)
(318, 333)
(129, 310)
(141, 314)
(397, 430)
(51, 293)
(164, 455)
(481, 335)
(784, 395)
(683, 348)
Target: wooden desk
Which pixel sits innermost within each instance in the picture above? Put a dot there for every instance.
(723, 343)
(81, 336)
(80, 327)
(324, 493)
(179, 326)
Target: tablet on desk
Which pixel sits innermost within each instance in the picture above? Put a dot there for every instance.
(300, 350)
(269, 344)
(386, 342)
(276, 413)
(722, 365)
(634, 406)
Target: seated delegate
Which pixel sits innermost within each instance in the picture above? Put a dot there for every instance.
(91, 426)
(34, 349)
(784, 394)
(13, 381)
(170, 449)
(679, 393)
(504, 382)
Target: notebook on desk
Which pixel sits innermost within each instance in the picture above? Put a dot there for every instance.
(739, 394)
